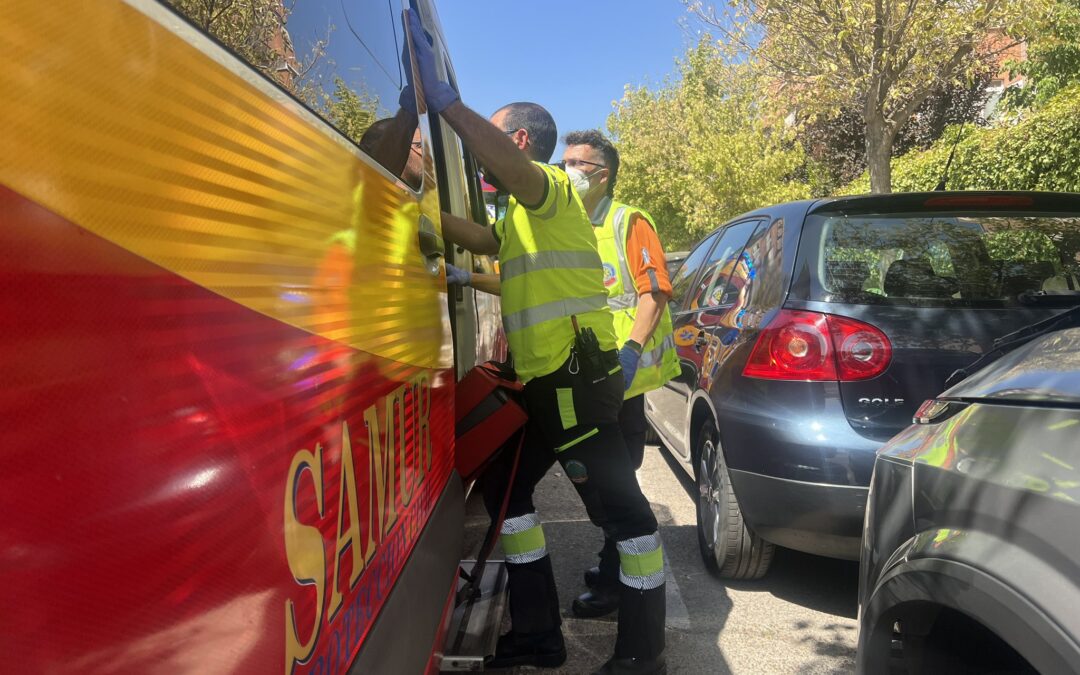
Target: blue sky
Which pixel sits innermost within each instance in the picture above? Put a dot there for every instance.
(571, 56)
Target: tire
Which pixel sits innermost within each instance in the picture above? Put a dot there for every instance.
(730, 550)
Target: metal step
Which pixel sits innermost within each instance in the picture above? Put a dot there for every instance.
(474, 628)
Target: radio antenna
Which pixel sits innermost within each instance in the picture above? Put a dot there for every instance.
(952, 153)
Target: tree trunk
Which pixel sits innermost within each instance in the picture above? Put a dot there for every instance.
(879, 153)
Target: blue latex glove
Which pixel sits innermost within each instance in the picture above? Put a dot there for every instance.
(439, 95)
(628, 359)
(455, 276)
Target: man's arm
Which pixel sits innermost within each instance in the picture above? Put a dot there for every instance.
(645, 258)
(488, 283)
(469, 235)
(650, 309)
(498, 154)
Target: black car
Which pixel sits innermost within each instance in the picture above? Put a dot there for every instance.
(971, 555)
(809, 333)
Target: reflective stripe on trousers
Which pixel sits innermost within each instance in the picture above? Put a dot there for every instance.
(523, 539)
(641, 562)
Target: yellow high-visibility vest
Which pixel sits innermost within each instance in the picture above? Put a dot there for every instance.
(550, 270)
(659, 362)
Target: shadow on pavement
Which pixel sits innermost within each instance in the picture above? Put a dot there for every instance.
(694, 620)
(822, 584)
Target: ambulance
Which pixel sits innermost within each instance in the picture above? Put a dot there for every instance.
(229, 352)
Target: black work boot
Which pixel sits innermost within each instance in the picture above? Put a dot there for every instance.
(592, 576)
(615, 666)
(597, 601)
(543, 650)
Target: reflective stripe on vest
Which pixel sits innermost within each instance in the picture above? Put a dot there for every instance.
(556, 309)
(620, 250)
(624, 301)
(546, 260)
(655, 355)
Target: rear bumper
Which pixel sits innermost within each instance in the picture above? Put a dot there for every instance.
(411, 620)
(815, 518)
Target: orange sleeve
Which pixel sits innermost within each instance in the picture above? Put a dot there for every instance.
(645, 258)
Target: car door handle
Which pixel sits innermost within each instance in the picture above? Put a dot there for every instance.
(431, 244)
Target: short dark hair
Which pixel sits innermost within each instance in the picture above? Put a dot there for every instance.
(536, 120)
(597, 141)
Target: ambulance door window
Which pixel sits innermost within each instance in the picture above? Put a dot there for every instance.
(342, 60)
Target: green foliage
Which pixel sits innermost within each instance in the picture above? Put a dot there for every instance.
(1040, 152)
(882, 59)
(1053, 59)
(699, 150)
(257, 31)
(351, 112)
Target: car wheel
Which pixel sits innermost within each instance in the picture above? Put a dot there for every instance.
(729, 549)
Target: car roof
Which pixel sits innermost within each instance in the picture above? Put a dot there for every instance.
(952, 200)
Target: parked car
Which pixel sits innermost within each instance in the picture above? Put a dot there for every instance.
(808, 334)
(971, 552)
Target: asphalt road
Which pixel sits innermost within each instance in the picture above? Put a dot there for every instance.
(799, 619)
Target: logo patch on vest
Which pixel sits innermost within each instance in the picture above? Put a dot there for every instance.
(576, 472)
(609, 275)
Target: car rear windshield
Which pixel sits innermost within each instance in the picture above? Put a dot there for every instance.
(940, 260)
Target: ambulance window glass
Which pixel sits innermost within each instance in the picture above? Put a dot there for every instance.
(340, 59)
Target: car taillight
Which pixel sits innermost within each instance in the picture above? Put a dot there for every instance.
(814, 347)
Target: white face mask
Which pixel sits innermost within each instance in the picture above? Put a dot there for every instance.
(580, 180)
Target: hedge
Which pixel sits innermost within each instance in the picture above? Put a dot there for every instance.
(1039, 152)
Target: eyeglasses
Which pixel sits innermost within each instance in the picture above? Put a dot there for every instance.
(581, 163)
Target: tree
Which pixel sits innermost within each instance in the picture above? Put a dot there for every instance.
(882, 58)
(699, 150)
(257, 31)
(836, 144)
(1041, 151)
(1053, 59)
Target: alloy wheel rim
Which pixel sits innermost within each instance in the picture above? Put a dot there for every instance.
(709, 494)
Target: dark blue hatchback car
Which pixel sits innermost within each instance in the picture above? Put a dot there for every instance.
(810, 332)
